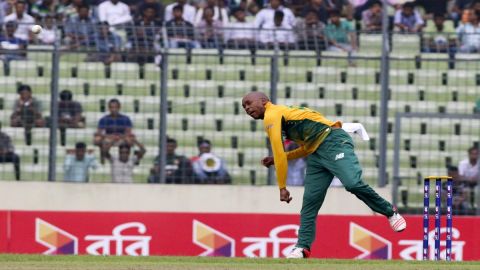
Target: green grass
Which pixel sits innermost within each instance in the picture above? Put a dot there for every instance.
(37, 262)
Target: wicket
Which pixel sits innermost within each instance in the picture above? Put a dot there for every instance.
(438, 213)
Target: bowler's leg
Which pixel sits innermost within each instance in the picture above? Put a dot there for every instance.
(317, 181)
(343, 163)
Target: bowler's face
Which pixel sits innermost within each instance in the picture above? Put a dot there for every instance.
(254, 107)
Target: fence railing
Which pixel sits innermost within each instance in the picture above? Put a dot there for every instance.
(197, 92)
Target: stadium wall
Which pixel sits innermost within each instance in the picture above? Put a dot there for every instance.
(48, 196)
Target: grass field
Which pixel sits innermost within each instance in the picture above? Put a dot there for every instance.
(40, 262)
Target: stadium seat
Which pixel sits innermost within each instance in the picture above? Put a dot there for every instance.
(405, 45)
(370, 45)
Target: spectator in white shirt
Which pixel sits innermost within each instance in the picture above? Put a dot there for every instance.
(469, 34)
(240, 34)
(209, 30)
(468, 169)
(264, 19)
(23, 20)
(48, 34)
(188, 11)
(281, 32)
(77, 163)
(219, 12)
(407, 19)
(123, 164)
(114, 12)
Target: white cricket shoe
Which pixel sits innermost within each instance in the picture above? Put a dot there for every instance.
(299, 253)
(397, 222)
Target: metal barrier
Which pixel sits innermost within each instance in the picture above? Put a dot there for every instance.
(201, 89)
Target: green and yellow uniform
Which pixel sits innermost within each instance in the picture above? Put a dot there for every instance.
(330, 152)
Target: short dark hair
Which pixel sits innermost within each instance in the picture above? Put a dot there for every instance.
(11, 24)
(235, 10)
(335, 13)
(114, 100)
(171, 140)
(80, 145)
(124, 146)
(66, 95)
(84, 6)
(472, 149)
(23, 87)
(21, 2)
(376, 2)
(204, 141)
(178, 7)
(438, 15)
(278, 14)
(149, 5)
(409, 5)
(452, 168)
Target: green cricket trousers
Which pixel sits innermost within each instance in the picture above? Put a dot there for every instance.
(334, 157)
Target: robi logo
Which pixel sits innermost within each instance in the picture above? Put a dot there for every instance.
(57, 240)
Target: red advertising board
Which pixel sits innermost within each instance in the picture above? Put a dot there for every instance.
(239, 235)
(3, 231)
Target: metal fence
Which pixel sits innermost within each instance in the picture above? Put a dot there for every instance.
(194, 94)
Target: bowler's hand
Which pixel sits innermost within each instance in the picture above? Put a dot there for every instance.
(285, 195)
(267, 161)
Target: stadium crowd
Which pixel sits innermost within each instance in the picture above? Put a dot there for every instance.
(143, 27)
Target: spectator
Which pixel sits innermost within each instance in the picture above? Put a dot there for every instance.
(240, 34)
(23, 20)
(209, 30)
(439, 38)
(468, 169)
(408, 19)
(6, 8)
(469, 34)
(77, 163)
(180, 32)
(296, 167)
(318, 8)
(188, 11)
(123, 164)
(61, 9)
(14, 48)
(7, 153)
(280, 33)
(72, 9)
(310, 33)
(114, 129)
(144, 40)
(69, 111)
(42, 8)
(342, 6)
(48, 34)
(458, 8)
(80, 28)
(178, 169)
(432, 7)
(219, 12)
(107, 44)
(149, 15)
(265, 18)
(159, 16)
(460, 192)
(372, 18)
(340, 34)
(114, 12)
(253, 9)
(27, 111)
(209, 168)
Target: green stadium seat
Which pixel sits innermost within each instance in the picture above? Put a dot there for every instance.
(405, 45)
(370, 45)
